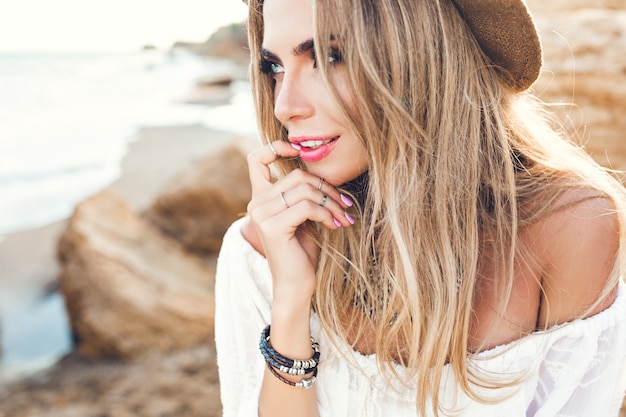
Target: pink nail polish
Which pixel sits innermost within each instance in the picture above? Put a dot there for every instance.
(349, 218)
(295, 146)
(346, 200)
(337, 222)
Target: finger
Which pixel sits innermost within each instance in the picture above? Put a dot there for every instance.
(291, 180)
(327, 188)
(300, 185)
(286, 221)
(299, 176)
(308, 203)
(297, 186)
(306, 191)
(282, 200)
(260, 160)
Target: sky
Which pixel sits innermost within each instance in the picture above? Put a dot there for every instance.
(110, 25)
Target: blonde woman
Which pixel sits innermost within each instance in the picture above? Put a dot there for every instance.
(420, 241)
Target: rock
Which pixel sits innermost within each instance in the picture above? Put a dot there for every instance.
(578, 40)
(230, 42)
(218, 80)
(128, 289)
(197, 206)
(585, 72)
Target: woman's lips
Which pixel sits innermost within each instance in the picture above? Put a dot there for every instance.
(315, 149)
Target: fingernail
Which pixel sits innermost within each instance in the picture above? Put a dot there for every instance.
(346, 200)
(295, 146)
(349, 218)
(337, 222)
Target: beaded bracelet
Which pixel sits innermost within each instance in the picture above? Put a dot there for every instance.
(301, 368)
(277, 362)
(267, 350)
(305, 383)
(281, 367)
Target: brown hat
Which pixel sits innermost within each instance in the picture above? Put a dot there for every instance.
(506, 32)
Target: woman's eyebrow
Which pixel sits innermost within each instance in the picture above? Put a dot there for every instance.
(300, 49)
(303, 47)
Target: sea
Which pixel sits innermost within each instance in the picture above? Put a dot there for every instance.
(66, 120)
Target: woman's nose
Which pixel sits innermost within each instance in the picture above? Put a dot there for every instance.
(292, 98)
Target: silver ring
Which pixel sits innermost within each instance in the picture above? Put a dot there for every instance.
(282, 198)
(319, 186)
(324, 198)
(272, 148)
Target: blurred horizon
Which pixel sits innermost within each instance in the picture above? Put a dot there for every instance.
(115, 26)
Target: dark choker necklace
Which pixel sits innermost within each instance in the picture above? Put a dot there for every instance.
(359, 188)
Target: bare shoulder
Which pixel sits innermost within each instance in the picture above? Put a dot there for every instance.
(579, 244)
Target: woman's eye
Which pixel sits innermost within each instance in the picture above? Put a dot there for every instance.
(333, 59)
(271, 68)
(276, 68)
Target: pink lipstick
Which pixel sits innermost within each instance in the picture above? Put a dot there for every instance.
(314, 149)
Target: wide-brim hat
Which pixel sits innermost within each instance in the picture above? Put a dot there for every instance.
(506, 32)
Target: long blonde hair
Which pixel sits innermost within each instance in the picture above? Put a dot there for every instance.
(455, 160)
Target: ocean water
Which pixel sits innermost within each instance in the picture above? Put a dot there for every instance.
(34, 333)
(65, 123)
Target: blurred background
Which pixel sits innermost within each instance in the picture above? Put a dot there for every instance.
(81, 84)
(129, 96)
(77, 78)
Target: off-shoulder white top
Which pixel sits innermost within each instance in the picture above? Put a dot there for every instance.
(576, 369)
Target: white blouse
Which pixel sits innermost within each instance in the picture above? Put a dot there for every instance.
(576, 369)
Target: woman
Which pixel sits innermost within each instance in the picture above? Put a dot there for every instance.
(419, 237)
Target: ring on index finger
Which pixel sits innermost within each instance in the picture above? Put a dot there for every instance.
(324, 198)
(282, 198)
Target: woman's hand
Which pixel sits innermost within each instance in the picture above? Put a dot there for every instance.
(278, 214)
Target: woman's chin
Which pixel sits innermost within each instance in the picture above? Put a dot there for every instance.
(339, 168)
(333, 176)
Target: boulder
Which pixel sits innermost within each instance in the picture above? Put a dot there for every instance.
(585, 73)
(197, 206)
(128, 289)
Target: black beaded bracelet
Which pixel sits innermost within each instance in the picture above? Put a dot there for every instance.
(267, 350)
(281, 367)
(278, 363)
(278, 360)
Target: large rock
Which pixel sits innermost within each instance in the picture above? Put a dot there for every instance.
(197, 206)
(128, 289)
(585, 72)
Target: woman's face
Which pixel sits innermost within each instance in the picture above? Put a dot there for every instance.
(302, 102)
